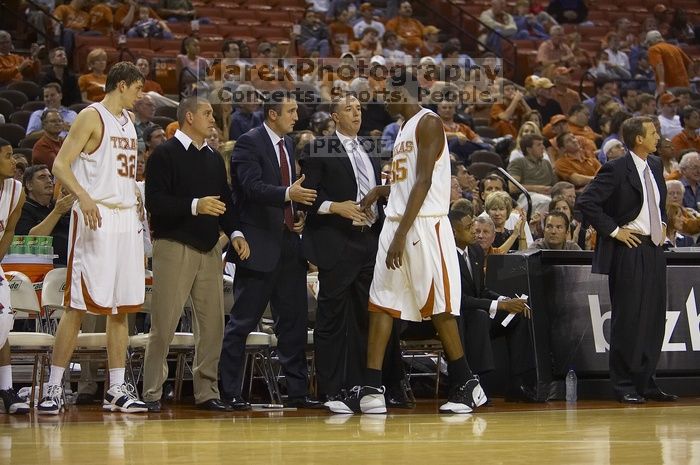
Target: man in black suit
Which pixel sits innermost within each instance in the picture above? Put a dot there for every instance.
(265, 190)
(625, 204)
(342, 240)
(483, 311)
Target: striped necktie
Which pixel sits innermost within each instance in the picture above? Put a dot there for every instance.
(363, 182)
(654, 214)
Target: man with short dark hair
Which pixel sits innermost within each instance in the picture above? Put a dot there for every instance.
(532, 171)
(625, 203)
(689, 137)
(52, 99)
(265, 190)
(556, 231)
(46, 148)
(574, 164)
(60, 73)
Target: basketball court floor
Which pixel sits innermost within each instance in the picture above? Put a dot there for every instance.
(588, 432)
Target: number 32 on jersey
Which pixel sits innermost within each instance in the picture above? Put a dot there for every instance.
(126, 165)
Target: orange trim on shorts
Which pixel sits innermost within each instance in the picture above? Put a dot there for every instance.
(427, 310)
(379, 309)
(445, 276)
(69, 270)
(92, 307)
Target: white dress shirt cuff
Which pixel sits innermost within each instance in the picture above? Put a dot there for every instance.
(325, 208)
(614, 233)
(194, 207)
(493, 308)
(286, 195)
(237, 234)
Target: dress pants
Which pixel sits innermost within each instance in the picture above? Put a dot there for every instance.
(285, 289)
(637, 283)
(180, 271)
(340, 333)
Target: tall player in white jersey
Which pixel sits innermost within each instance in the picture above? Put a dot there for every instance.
(416, 275)
(11, 201)
(97, 164)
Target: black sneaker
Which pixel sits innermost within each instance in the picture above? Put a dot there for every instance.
(153, 406)
(464, 398)
(360, 399)
(13, 403)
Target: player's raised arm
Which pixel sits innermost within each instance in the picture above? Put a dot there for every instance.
(84, 136)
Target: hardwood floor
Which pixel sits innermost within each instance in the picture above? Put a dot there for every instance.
(585, 433)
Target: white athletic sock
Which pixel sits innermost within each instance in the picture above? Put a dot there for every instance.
(5, 377)
(116, 377)
(56, 375)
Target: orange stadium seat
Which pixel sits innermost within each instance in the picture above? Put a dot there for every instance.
(234, 31)
(166, 44)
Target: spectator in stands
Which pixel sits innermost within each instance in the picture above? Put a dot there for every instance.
(532, 171)
(149, 26)
(431, 44)
(392, 51)
(499, 206)
(605, 68)
(612, 149)
(368, 45)
(46, 148)
(646, 104)
(690, 223)
(41, 216)
(568, 11)
(14, 67)
(689, 137)
(578, 123)
(149, 85)
(683, 96)
(78, 18)
(340, 31)
(690, 177)
(408, 29)
(191, 68)
(247, 114)
(52, 100)
(314, 36)
(506, 116)
(455, 189)
(561, 92)
(670, 63)
(468, 183)
(144, 111)
(643, 70)
(573, 164)
(528, 24)
(670, 121)
(617, 57)
(603, 86)
(92, 85)
(485, 234)
(60, 73)
(21, 165)
(176, 10)
(501, 24)
(128, 12)
(451, 53)
(674, 224)
(565, 189)
(542, 100)
(629, 96)
(563, 205)
(555, 52)
(556, 233)
(527, 128)
(153, 136)
(453, 129)
(367, 12)
(682, 29)
(669, 159)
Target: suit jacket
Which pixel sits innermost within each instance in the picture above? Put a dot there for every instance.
(328, 170)
(258, 197)
(613, 199)
(475, 295)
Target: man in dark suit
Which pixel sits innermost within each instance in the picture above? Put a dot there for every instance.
(342, 241)
(625, 204)
(483, 311)
(265, 190)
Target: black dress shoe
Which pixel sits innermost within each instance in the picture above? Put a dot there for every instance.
(153, 406)
(303, 402)
(85, 399)
(660, 396)
(168, 391)
(632, 399)
(239, 404)
(399, 399)
(215, 405)
(522, 394)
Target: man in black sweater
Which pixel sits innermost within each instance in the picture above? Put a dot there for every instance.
(189, 200)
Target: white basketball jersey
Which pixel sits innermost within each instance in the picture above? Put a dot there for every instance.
(109, 173)
(10, 190)
(403, 173)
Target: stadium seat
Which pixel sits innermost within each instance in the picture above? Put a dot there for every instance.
(15, 97)
(34, 106)
(480, 170)
(21, 118)
(234, 31)
(162, 121)
(30, 89)
(168, 112)
(13, 133)
(78, 107)
(28, 142)
(6, 108)
(24, 151)
(486, 156)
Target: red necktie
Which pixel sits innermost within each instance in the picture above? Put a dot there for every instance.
(284, 173)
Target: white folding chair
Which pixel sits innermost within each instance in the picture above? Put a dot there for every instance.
(37, 344)
(52, 291)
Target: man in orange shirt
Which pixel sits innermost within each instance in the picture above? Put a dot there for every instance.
(506, 117)
(408, 29)
(670, 63)
(14, 67)
(561, 93)
(573, 164)
(578, 122)
(688, 138)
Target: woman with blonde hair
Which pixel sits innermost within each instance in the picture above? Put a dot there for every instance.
(527, 128)
(92, 85)
(498, 207)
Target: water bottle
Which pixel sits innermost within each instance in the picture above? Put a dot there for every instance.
(571, 382)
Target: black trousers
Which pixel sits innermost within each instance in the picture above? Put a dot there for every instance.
(285, 289)
(342, 321)
(637, 283)
(478, 329)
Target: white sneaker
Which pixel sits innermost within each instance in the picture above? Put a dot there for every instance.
(360, 399)
(52, 403)
(465, 398)
(372, 400)
(122, 398)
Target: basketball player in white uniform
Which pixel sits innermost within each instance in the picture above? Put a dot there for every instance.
(11, 201)
(416, 275)
(97, 164)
